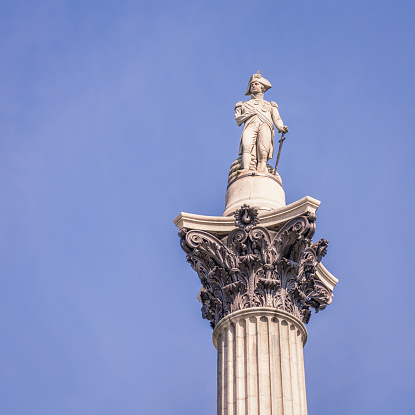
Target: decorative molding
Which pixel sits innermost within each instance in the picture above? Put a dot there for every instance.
(257, 312)
(255, 267)
(326, 277)
(222, 225)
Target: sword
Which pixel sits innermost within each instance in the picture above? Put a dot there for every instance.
(281, 140)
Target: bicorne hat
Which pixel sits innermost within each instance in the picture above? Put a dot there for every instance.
(258, 78)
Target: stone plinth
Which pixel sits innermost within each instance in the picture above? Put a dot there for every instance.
(263, 191)
(260, 363)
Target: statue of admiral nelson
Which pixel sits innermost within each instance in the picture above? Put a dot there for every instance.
(259, 117)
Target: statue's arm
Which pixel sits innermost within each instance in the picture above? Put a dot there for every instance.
(276, 118)
(240, 117)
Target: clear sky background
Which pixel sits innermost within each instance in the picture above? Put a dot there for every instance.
(117, 115)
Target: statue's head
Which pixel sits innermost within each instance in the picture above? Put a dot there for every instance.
(257, 84)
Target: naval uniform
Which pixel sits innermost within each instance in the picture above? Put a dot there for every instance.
(259, 117)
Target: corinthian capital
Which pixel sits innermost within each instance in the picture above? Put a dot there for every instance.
(256, 266)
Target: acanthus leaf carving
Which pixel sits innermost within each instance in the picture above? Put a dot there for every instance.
(256, 267)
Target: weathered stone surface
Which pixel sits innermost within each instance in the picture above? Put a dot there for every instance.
(260, 190)
(260, 363)
(252, 266)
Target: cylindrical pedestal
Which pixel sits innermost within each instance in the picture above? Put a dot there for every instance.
(260, 363)
(260, 190)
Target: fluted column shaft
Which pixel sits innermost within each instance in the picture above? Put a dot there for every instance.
(260, 363)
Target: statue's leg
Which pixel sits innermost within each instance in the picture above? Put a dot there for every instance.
(249, 138)
(263, 146)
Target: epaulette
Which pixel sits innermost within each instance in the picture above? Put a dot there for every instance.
(238, 104)
(274, 104)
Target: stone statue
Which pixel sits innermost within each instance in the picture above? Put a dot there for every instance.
(259, 117)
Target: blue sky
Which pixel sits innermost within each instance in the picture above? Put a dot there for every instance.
(117, 115)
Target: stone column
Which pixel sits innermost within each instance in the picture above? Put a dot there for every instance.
(261, 276)
(260, 363)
